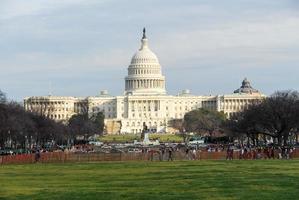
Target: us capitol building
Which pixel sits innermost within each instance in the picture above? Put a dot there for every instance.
(144, 101)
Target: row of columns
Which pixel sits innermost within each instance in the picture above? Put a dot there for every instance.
(144, 105)
(144, 71)
(150, 83)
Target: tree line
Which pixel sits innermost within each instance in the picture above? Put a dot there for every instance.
(23, 129)
(274, 120)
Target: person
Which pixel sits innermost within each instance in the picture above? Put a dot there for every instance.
(245, 154)
(228, 153)
(187, 153)
(279, 153)
(254, 154)
(287, 153)
(194, 154)
(37, 155)
(151, 155)
(162, 153)
(259, 153)
(272, 155)
(249, 153)
(283, 152)
(170, 154)
(241, 153)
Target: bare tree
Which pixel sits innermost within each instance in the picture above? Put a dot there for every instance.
(2, 97)
(276, 117)
(203, 121)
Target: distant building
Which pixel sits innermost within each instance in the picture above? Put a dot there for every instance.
(144, 100)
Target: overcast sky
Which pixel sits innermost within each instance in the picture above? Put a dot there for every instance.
(207, 46)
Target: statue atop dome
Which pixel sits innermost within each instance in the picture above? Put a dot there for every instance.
(246, 88)
(144, 36)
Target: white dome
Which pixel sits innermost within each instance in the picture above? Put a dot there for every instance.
(144, 72)
(144, 55)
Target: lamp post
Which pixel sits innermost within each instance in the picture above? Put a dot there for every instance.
(9, 138)
(25, 142)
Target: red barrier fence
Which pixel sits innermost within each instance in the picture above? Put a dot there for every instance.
(62, 157)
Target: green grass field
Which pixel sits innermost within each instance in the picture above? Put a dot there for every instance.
(132, 137)
(262, 179)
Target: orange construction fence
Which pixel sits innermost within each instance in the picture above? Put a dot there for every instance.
(63, 157)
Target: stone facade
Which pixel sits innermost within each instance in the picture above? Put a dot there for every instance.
(144, 100)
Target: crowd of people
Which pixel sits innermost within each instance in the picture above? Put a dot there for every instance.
(183, 152)
(232, 152)
(260, 153)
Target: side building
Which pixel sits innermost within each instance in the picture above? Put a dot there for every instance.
(145, 100)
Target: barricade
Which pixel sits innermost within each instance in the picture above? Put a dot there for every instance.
(64, 157)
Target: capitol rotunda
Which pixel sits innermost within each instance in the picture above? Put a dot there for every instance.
(144, 73)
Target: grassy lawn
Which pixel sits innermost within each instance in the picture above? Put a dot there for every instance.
(166, 137)
(119, 138)
(260, 179)
(132, 137)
